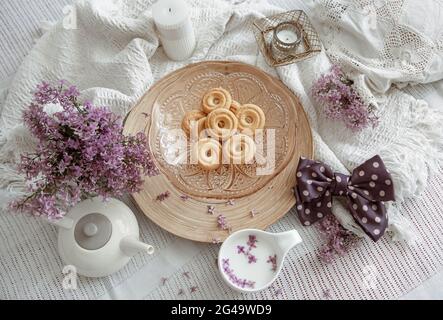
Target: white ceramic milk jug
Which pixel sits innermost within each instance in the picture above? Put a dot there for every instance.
(250, 260)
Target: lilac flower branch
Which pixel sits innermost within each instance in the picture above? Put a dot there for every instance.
(338, 240)
(81, 152)
(335, 91)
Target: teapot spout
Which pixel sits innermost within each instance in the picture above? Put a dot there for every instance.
(130, 245)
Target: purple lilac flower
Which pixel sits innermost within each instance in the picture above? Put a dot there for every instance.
(193, 289)
(251, 243)
(230, 202)
(327, 294)
(240, 249)
(222, 222)
(242, 283)
(252, 240)
(163, 196)
(341, 101)
(273, 261)
(338, 239)
(252, 258)
(211, 209)
(81, 152)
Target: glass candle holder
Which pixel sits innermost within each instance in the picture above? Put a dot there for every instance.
(287, 36)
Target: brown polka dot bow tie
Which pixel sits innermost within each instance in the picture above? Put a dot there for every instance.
(365, 190)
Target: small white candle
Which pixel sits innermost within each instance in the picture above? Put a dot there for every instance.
(174, 26)
(287, 36)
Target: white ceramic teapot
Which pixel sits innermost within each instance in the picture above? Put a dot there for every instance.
(99, 237)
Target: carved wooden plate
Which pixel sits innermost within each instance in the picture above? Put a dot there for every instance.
(162, 109)
(246, 85)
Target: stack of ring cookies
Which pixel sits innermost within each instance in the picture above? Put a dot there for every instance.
(225, 121)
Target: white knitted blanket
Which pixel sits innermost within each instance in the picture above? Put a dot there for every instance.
(112, 53)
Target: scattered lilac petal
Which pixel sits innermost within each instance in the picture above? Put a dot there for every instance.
(184, 197)
(240, 249)
(242, 283)
(211, 209)
(253, 212)
(230, 202)
(163, 280)
(252, 258)
(327, 294)
(181, 292)
(163, 196)
(216, 240)
(273, 261)
(222, 222)
(194, 289)
(278, 292)
(252, 240)
(186, 274)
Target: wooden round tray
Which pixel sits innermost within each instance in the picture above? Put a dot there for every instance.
(270, 196)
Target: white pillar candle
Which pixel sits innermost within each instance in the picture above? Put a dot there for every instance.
(172, 19)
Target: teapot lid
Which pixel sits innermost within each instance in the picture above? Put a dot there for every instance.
(93, 231)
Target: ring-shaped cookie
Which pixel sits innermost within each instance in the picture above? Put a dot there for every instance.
(193, 115)
(239, 149)
(207, 151)
(221, 123)
(215, 99)
(250, 118)
(196, 128)
(235, 105)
